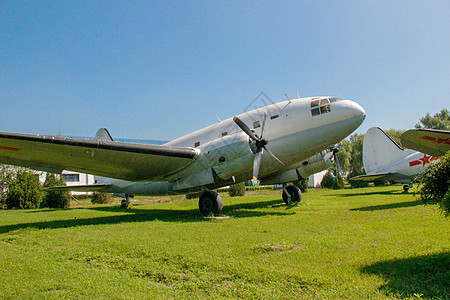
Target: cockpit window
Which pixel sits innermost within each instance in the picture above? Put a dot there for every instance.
(334, 99)
(321, 106)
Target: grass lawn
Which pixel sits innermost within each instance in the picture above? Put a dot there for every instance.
(370, 243)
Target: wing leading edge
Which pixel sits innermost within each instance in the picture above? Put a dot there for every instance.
(430, 141)
(128, 161)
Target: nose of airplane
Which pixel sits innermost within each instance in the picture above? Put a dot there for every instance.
(358, 112)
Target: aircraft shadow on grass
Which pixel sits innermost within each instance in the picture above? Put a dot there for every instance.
(241, 210)
(362, 193)
(388, 206)
(424, 277)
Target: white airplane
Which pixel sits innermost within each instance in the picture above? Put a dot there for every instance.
(384, 159)
(229, 151)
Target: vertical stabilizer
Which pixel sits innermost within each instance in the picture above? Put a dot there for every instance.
(103, 135)
(379, 150)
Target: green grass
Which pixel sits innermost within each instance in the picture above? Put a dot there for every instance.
(370, 243)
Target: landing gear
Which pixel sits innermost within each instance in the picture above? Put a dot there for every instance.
(125, 202)
(292, 194)
(406, 188)
(210, 202)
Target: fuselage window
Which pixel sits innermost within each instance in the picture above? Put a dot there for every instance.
(274, 117)
(224, 134)
(324, 109)
(334, 99)
(256, 124)
(197, 144)
(323, 101)
(319, 107)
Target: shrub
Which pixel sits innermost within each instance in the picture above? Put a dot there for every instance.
(338, 182)
(101, 198)
(327, 181)
(55, 199)
(237, 189)
(381, 182)
(25, 191)
(302, 185)
(356, 183)
(435, 183)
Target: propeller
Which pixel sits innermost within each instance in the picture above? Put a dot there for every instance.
(335, 150)
(260, 143)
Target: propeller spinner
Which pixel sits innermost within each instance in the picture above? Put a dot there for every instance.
(260, 144)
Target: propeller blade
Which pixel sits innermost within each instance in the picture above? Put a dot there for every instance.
(245, 128)
(338, 165)
(264, 123)
(256, 164)
(273, 155)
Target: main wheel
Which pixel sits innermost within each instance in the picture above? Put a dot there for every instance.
(292, 194)
(210, 202)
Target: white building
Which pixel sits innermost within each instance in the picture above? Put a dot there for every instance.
(75, 178)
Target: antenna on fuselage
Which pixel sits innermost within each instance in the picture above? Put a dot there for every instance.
(298, 96)
(218, 118)
(287, 97)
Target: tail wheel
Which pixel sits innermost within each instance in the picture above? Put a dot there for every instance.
(292, 194)
(210, 202)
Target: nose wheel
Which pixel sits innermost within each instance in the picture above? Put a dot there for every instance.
(210, 203)
(292, 194)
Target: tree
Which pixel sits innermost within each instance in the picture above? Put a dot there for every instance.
(25, 191)
(440, 120)
(237, 189)
(435, 184)
(356, 163)
(327, 181)
(344, 155)
(338, 182)
(55, 199)
(7, 174)
(101, 198)
(395, 134)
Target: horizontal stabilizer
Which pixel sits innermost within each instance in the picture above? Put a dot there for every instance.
(81, 188)
(372, 177)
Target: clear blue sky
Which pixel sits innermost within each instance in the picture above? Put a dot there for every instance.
(161, 70)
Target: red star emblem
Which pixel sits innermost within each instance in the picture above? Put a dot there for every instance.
(425, 159)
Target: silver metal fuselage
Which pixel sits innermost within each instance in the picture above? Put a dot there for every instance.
(293, 133)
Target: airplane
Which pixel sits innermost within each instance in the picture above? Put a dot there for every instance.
(384, 159)
(230, 151)
(430, 141)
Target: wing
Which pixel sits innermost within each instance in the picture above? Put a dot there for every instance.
(81, 188)
(372, 177)
(133, 162)
(434, 142)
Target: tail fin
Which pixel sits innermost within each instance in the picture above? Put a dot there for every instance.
(103, 135)
(379, 150)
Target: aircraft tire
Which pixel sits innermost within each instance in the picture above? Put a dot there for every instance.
(292, 194)
(210, 202)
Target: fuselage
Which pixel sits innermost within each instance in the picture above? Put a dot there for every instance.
(295, 130)
(407, 168)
